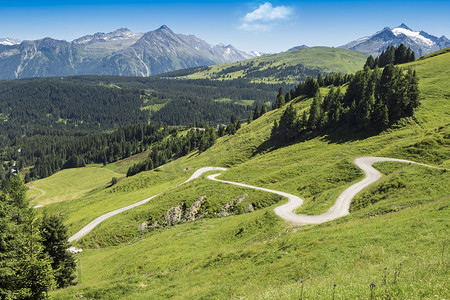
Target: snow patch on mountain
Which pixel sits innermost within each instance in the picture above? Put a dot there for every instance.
(419, 41)
(117, 35)
(415, 35)
(9, 41)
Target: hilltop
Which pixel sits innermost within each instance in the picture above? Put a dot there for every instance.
(288, 67)
(257, 255)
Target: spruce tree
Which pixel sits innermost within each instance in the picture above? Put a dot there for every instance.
(288, 127)
(311, 86)
(263, 109)
(25, 270)
(315, 112)
(54, 240)
(279, 102)
(256, 112)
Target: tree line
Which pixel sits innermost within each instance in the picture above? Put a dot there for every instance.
(391, 55)
(310, 87)
(373, 101)
(174, 146)
(47, 154)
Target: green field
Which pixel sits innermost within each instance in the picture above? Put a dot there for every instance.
(396, 235)
(69, 184)
(328, 60)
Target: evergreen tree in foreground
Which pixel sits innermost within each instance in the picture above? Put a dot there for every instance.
(54, 240)
(25, 269)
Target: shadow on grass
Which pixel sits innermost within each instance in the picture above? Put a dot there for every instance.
(335, 136)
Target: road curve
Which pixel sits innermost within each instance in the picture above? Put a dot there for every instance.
(342, 204)
(285, 211)
(88, 228)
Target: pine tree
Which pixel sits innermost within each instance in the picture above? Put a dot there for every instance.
(256, 112)
(412, 91)
(288, 127)
(320, 80)
(263, 109)
(400, 55)
(311, 86)
(25, 270)
(54, 240)
(249, 118)
(280, 100)
(34, 273)
(315, 112)
(221, 131)
(370, 62)
(304, 120)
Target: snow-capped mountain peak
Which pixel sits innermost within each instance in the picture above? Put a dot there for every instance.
(415, 35)
(9, 41)
(419, 41)
(404, 26)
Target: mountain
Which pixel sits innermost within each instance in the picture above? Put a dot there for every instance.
(420, 42)
(162, 50)
(120, 52)
(9, 41)
(298, 48)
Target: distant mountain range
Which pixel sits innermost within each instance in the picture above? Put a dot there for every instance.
(121, 52)
(419, 41)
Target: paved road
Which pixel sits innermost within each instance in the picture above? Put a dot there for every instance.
(286, 211)
(88, 228)
(342, 204)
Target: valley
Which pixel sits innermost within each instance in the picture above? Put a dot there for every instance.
(141, 164)
(257, 254)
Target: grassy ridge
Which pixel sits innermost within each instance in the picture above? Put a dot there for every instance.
(326, 59)
(396, 235)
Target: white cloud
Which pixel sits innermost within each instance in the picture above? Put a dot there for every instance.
(263, 18)
(266, 12)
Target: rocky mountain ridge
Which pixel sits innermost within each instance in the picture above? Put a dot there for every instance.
(121, 52)
(419, 41)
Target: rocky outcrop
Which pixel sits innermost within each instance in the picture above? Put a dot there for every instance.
(173, 216)
(182, 214)
(143, 226)
(192, 212)
(178, 214)
(249, 208)
(230, 207)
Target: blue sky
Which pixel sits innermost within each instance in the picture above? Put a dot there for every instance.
(267, 26)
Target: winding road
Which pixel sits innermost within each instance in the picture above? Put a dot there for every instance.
(88, 228)
(285, 211)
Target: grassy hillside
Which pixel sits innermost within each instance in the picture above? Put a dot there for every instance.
(69, 184)
(396, 235)
(287, 67)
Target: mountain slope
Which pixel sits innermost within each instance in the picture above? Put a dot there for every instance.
(9, 41)
(420, 42)
(291, 66)
(121, 52)
(255, 255)
(162, 50)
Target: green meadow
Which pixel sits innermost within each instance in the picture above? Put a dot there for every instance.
(324, 58)
(396, 235)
